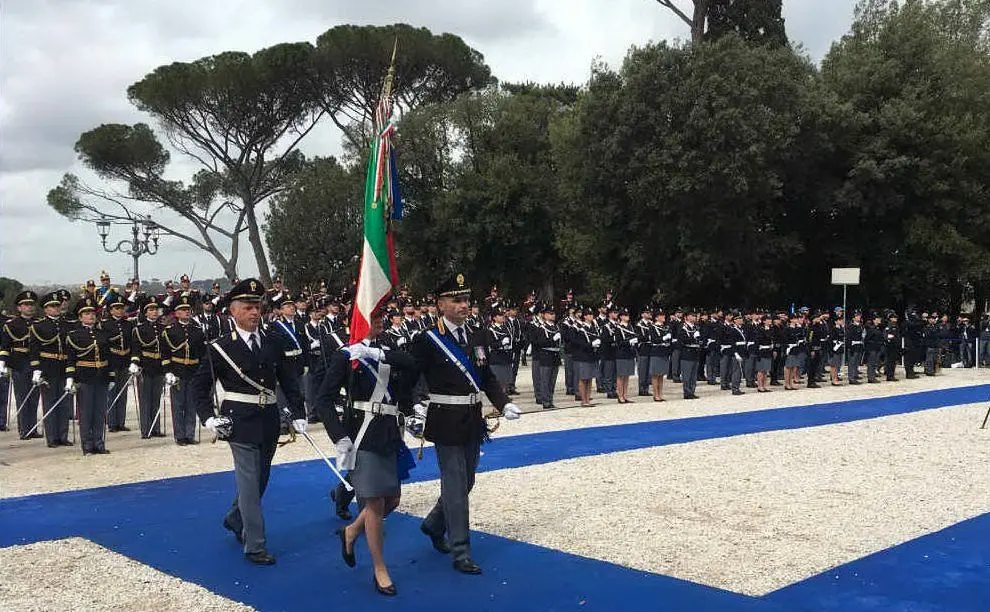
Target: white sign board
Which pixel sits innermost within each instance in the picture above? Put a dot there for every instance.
(845, 276)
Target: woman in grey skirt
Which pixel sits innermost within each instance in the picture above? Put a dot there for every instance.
(368, 439)
(585, 341)
(625, 355)
(764, 353)
(662, 342)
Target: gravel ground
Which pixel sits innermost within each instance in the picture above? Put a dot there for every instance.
(29, 467)
(80, 565)
(750, 513)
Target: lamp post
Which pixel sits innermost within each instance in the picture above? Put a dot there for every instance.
(136, 246)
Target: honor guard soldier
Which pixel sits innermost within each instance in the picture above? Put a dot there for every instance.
(48, 355)
(15, 360)
(209, 321)
(183, 345)
(855, 337)
(185, 289)
(520, 341)
(874, 342)
(500, 348)
(284, 325)
(89, 375)
(276, 293)
(248, 364)
(547, 341)
(690, 343)
(644, 328)
(119, 331)
(892, 346)
(148, 364)
(626, 341)
(818, 335)
(396, 337)
(454, 362)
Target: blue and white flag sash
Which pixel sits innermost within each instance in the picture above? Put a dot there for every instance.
(456, 354)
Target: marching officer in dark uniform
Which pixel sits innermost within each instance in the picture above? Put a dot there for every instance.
(818, 334)
(89, 375)
(148, 363)
(184, 345)
(209, 321)
(119, 332)
(15, 348)
(855, 337)
(248, 364)
(547, 342)
(501, 348)
(454, 362)
(710, 333)
(874, 342)
(643, 348)
(48, 357)
(520, 341)
(284, 324)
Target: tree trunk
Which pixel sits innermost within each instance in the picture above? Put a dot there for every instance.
(254, 237)
(698, 21)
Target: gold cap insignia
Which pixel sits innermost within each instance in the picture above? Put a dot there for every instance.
(460, 280)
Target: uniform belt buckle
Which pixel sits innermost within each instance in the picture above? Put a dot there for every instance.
(474, 398)
(376, 408)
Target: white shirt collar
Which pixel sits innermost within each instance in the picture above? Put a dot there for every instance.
(453, 328)
(246, 335)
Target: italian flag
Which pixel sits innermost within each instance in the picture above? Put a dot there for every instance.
(378, 274)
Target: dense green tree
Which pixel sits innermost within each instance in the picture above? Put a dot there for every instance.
(352, 62)
(314, 230)
(755, 21)
(9, 288)
(241, 117)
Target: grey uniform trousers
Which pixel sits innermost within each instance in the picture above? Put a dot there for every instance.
(91, 398)
(450, 515)
(150, 387)
(569, 386)
(252, 468)
(27, 396)
(643, 373)
(118, 412)
(5, 396)
(855, 360)
(57, 422)
(689, 376)
(546, 376)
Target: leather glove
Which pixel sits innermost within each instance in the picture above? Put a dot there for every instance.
(36, 377)
(633, 341)
(596, 343)
(511, 412)
(556, 337)
(420, 410)
(134, 368)
(299, 425)
(170, 379)
(70, 385)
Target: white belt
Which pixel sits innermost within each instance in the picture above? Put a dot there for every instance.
(764, 346)
(552, 350)
(377, 408)
(250, 398)
(293, 353)
(857, 342)
(740, 344)
(456, 400)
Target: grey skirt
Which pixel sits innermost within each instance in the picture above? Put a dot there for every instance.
(585, 370)
(763, 364)
(836, 361)
(375, 475)
(659, 366)
(625, 367)
(794, 361)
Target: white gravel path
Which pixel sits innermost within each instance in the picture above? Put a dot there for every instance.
(71, 574)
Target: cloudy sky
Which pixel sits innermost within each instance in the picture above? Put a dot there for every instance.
(65, 66)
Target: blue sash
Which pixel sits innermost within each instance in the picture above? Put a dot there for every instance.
(454, 350)
(289, 332)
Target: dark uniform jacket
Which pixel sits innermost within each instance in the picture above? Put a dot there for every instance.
(395, 338)
(500, 344)
(874, 337)
(643, 332)
(15, 343)
(455, 424)
(184, 345)
(146, 347)
(546, 342)
(48, 347)
(764, 342)
(582, 337)
(87, 356)
(253, 423)
(211, 324)
(661, 340)
(120, 334)
(383, 435)
(689, 339)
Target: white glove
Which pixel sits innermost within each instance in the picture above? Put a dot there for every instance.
(315, 344)
(400, 341)
(667, 337)
(511, 412)
(596, 343)
(299, 425)
(170, 379)
(556, 337)
(506, 342)
(697, 334)
(70, 385)
(420, 410)
(3, 368)
(134, 368)
(633, 341)
(345, 452)
(36, 377)
(211, 423)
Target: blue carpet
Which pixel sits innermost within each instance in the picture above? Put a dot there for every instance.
(173, 525)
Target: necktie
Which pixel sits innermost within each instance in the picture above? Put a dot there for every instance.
(254, 346)
(460, 337)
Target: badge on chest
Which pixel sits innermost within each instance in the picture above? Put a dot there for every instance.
(479, 356)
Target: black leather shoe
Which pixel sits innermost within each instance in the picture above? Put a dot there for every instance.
(343, 512)
(236, 532)
(122, 428)
(53, 445)
(65, 443)
(192, 441)
(814, 386)
(349, 559)
(855, 382)
(439, 543)
(260, 558)
(181, 442)
(157, 434)
(467, 566)
(738, 392)
(102, 451)
(388, 591)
